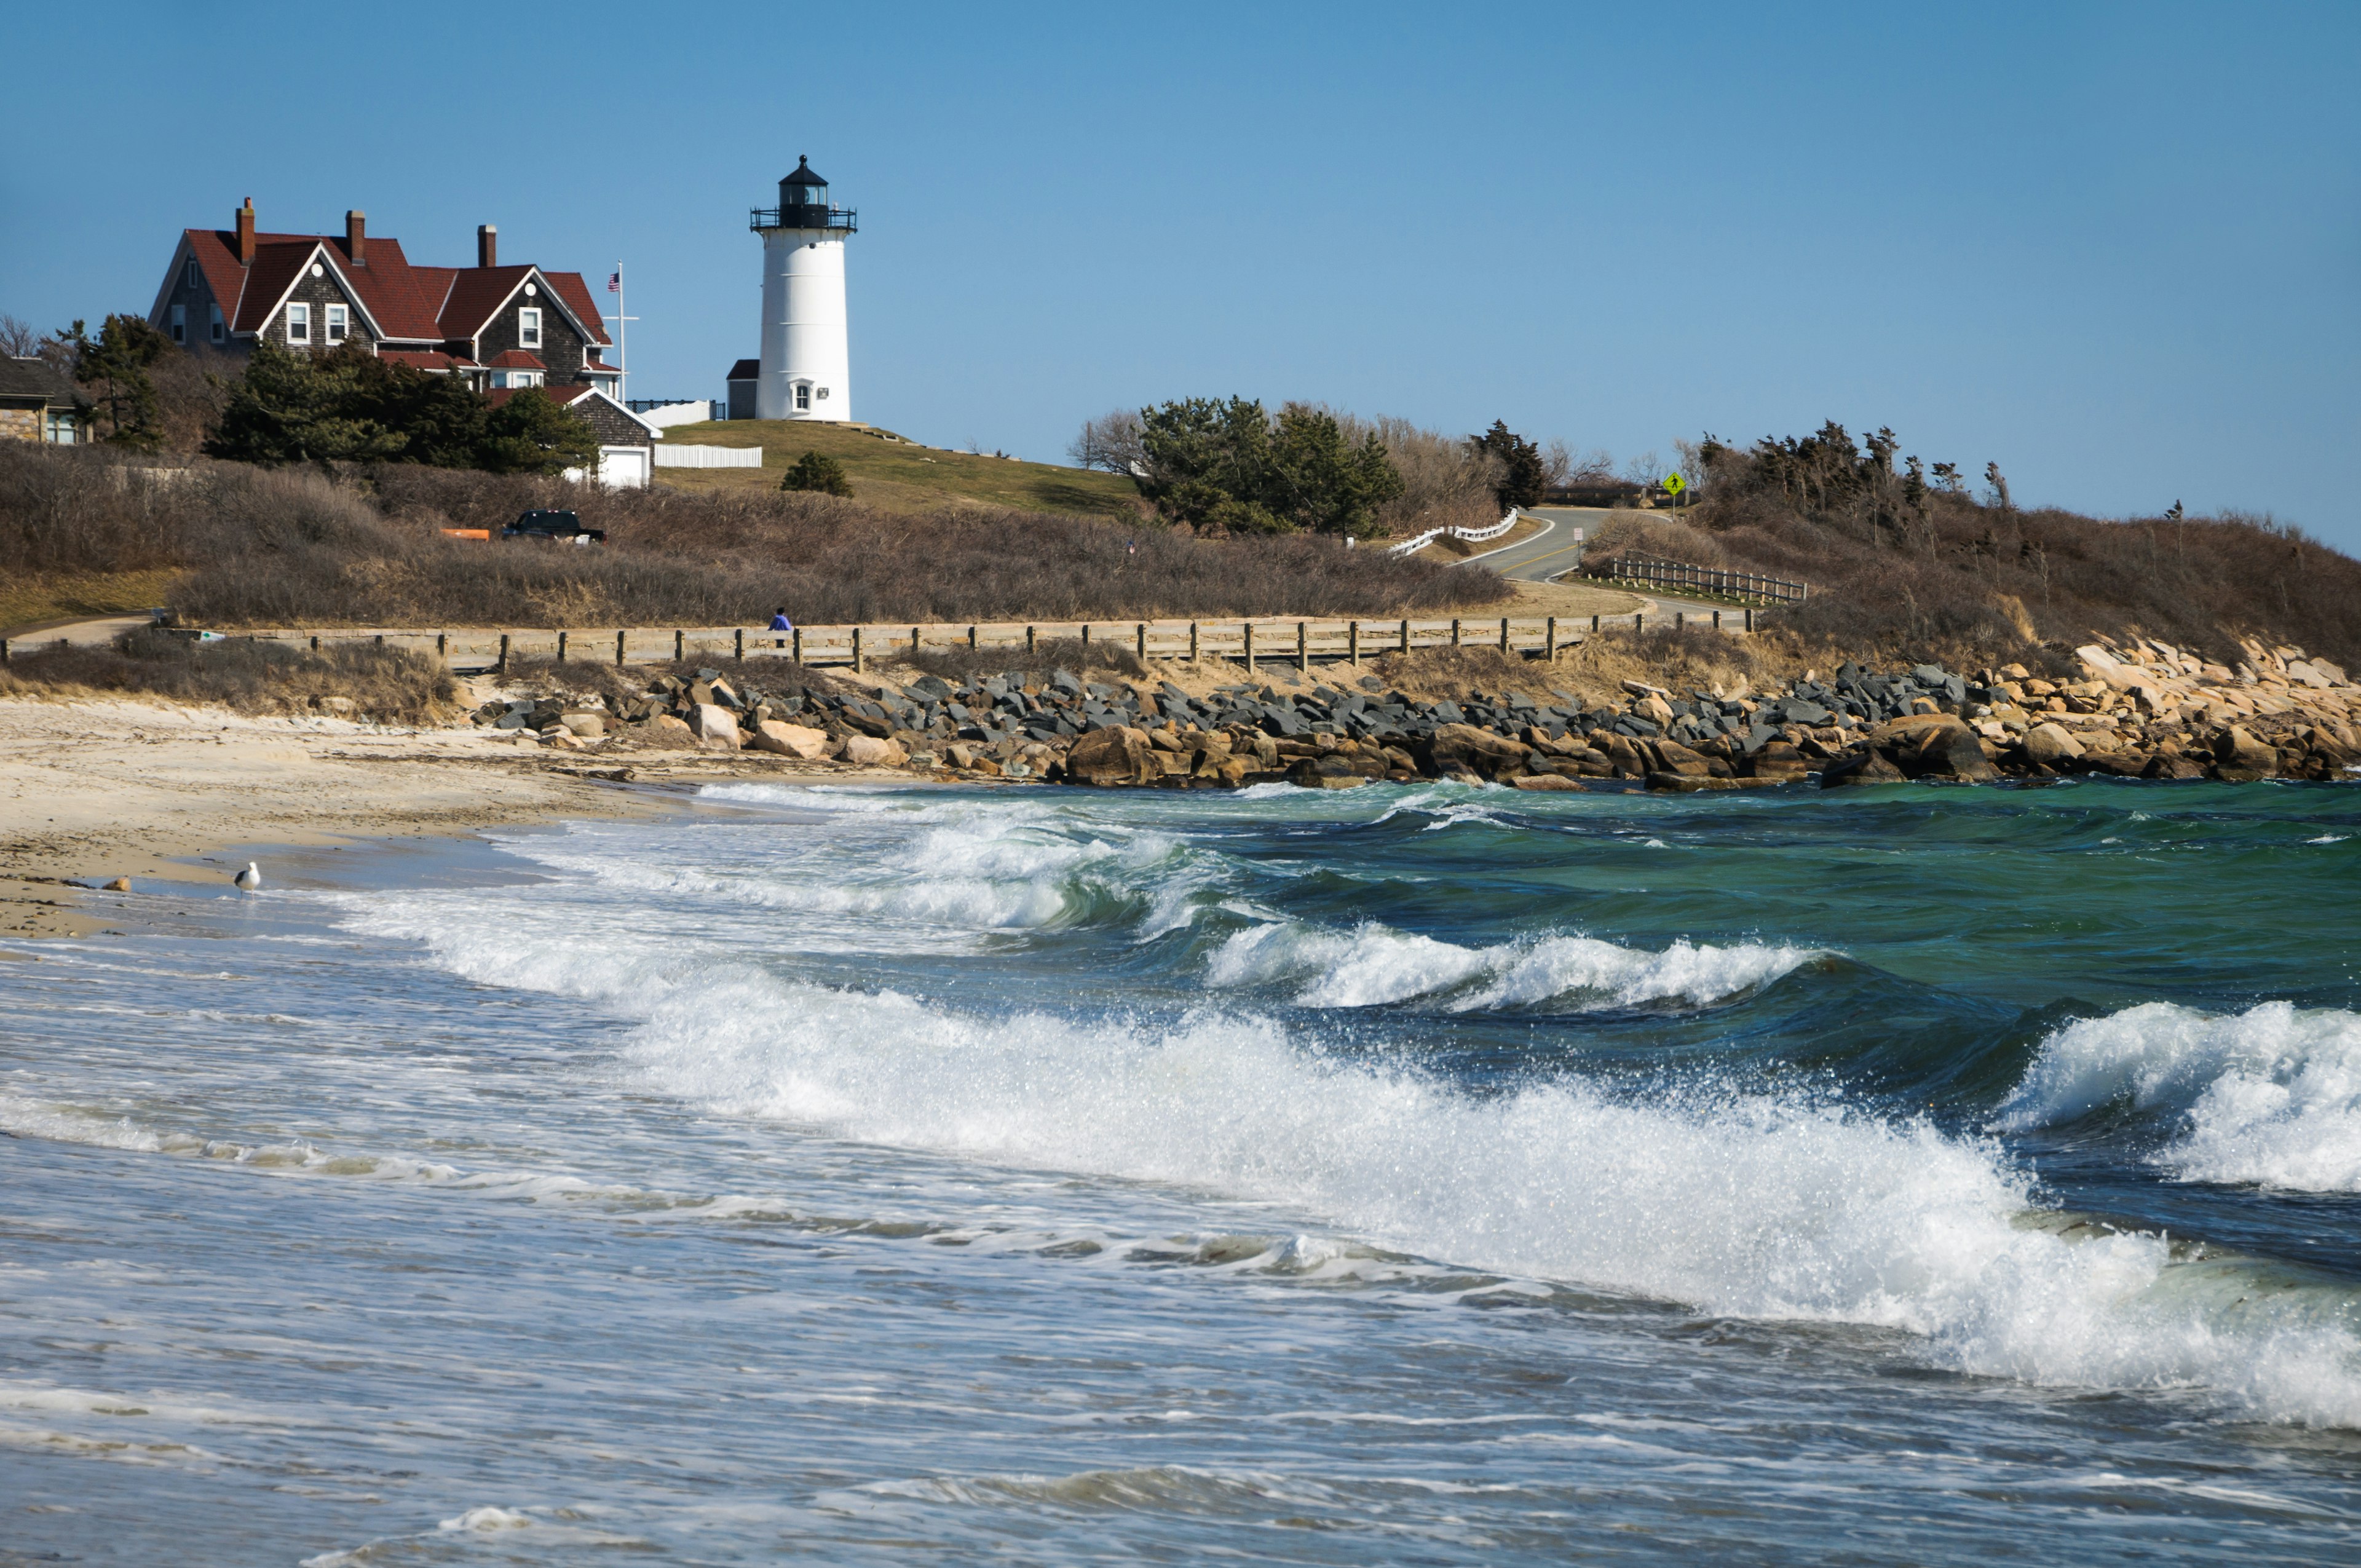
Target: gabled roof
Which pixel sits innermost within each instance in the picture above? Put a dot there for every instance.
(476, 294)
(426, 358)
(573, 396)
(385, 288)
(746, 370)
(514, 359)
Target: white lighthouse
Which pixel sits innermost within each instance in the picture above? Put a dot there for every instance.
(807, 369)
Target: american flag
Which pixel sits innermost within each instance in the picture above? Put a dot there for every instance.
(614, 283)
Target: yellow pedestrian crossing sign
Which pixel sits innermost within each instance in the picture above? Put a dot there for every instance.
(1674, 483)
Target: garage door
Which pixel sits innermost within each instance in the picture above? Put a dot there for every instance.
(623, 467)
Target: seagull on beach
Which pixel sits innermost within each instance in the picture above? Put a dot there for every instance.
(248, 879)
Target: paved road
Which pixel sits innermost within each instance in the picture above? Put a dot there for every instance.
(1553, 550)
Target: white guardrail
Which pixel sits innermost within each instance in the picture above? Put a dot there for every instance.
(1470, 534)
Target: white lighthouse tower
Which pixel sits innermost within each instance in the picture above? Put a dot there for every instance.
(807, 369)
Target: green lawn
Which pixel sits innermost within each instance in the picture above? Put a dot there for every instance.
(896, 474)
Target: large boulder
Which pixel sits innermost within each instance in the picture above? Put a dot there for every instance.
(587, 726)
(1949, 751)
(1546, 783)
(1868, 766)
(1672, 757)
(869, 752)
(1463, 748)
(715, 727)
(1778, 762)
(2240, 758)
(2051, 746)
(789, 741)
(1118, 754)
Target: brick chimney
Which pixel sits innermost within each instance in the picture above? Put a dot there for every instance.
(246, 234)
(357, 237)
(487, 246)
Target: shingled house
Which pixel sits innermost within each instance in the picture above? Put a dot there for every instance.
(37, 403)
(503, 328)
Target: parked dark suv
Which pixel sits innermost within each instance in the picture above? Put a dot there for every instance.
(561, 525)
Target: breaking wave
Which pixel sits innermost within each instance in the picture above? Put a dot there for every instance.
(2272, 1096)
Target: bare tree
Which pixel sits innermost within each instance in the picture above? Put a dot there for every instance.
(2001, 497)
(1446, 483)
(1557, 463)
(19, 339)
(1111, 442)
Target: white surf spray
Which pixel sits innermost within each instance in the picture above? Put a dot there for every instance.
(2271, 1096)
(1373, 965)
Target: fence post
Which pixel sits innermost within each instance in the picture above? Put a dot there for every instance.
(1680, 621)
(1353, 642)
(4, 649)
(441, 643)
(1303, 646)
(1504, 634)
(798, 650)
(680, 646)
(316, 643)
(1192, 641)
(1593, 626)
(504, 653)
(380, 641)
(1405, 634)
(1639, 623)
(1086, 635)
(619, 649)
(1716, 620)
(561, 647)
(859, 660)
(1454, 631)
(1028, 640)
(1548, 636)
(913, 642)
(1750, 617)
(1249, 626)
(1143, 640)
(970, 639)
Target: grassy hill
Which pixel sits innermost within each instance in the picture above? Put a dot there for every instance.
(895, 473)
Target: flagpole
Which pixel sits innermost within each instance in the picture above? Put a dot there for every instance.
(622, 338)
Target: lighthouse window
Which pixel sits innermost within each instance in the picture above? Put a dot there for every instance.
(803, 396)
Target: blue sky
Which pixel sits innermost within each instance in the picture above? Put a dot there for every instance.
(2114, 247)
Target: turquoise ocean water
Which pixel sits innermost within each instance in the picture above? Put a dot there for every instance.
(1420, 1175)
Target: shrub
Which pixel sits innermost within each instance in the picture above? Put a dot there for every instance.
(814, 472)
(390, 685)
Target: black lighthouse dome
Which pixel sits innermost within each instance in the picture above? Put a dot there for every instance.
(803, 204)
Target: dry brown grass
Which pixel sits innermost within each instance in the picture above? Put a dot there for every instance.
(388, 685)
(297, 547)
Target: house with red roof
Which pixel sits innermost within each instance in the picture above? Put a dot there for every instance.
(502, 327)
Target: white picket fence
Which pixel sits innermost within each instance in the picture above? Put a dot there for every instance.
(685, 455)
(1432, 535)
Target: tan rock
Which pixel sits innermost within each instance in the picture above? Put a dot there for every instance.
(869, 752)
(664, 730)
(715, 727)
(589, 726)
(1116, 755)
(782, 739)
(1546, 783)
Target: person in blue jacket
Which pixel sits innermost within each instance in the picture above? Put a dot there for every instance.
(779, 622)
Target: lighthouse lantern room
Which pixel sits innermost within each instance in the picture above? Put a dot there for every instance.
(805, 367)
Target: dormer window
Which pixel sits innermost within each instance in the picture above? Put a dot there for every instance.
(339, 324)
(299, 324)
(529, 328)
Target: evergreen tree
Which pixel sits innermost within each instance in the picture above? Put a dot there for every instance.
(1525, 472)
(813, 472)
(115, 367)
(531, 434)
(292, 408)
(1230, 465)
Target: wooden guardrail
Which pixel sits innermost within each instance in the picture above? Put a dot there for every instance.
(1704, 579)
(1252, 642)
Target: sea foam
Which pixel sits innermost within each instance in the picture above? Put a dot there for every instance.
(1373, 965)
(2271, 1096)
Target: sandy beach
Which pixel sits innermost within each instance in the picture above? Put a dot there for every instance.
(92, 789)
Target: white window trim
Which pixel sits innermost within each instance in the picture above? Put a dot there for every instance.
(299, 312)
(528, 327)
(180, 323)
(339, 324)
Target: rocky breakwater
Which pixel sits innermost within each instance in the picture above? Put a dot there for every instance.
(2131, 709)
(2136, 710)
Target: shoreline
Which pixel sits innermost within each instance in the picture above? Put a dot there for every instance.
(96, 789)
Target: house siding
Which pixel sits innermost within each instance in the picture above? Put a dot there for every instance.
(613, 428)
(561, 346)
(195, 298)
(319, 293)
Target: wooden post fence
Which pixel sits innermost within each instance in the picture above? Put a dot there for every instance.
(680, 646)
(619, 649)
(740, 641)
(1303, 645)
(1405, 635)
(1249, 626)
(561, 647)
(504, 653)
(1353, 642)
(859, 661)
(1192, 641)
